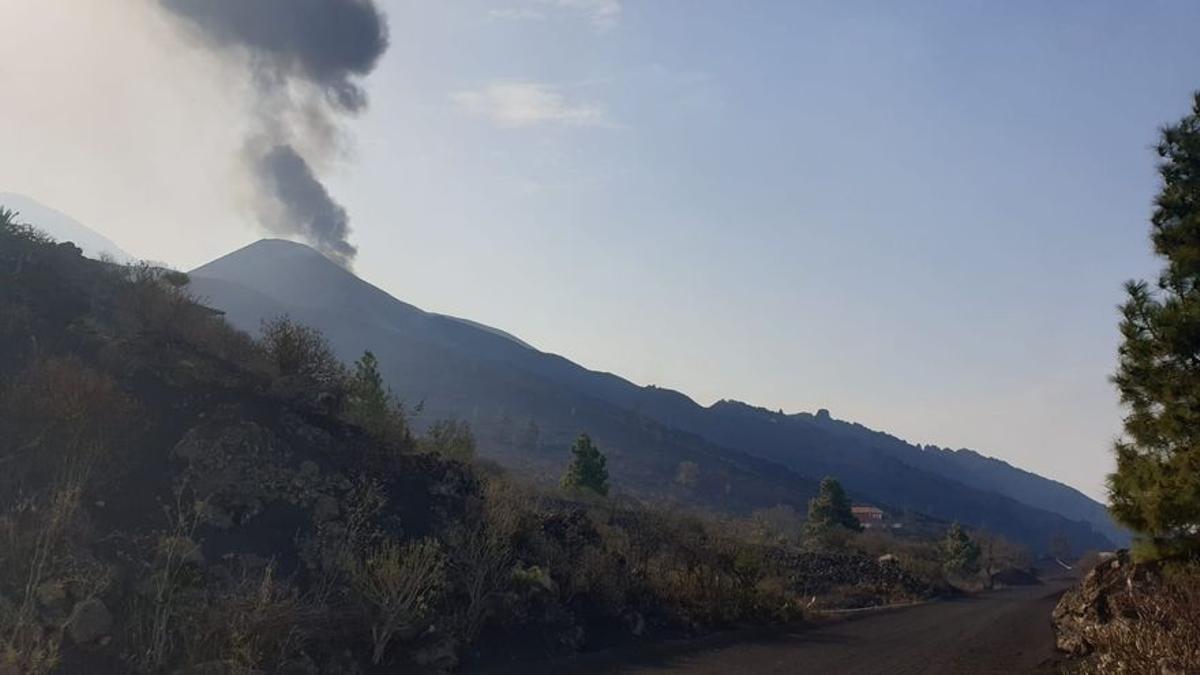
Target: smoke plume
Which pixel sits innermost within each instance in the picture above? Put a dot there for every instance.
(305, 57)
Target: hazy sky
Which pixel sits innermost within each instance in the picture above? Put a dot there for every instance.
(918, 215)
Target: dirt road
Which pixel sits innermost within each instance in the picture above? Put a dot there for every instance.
(1002, 632)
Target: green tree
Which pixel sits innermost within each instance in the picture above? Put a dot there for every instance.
(371, 405)
(1156, 487)
(960, 553)
(830, 512)
(588, 469)
(369, 401)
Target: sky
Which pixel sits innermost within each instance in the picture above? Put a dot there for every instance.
(917, 215)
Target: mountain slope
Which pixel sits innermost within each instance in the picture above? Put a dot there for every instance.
(526, 405)
(987, 473)
(184, 500)
(452, 368)
(64, 228)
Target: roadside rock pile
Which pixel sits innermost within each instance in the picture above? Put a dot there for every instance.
(1103, 595)
(1128, 617)
(856, 579)
(1015, 576)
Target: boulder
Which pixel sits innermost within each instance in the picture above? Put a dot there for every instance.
(636, 623)
(440, 654)
(52, 603)
(89, 622)
(1015, 576)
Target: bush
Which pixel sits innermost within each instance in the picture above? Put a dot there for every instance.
(61, 417)
(302, 352)
(154, 303)
(258, 623)
(399, 587)
(481, 556)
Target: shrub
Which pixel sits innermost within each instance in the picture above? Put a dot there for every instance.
(154, 303)
(302, 352)
(62, 418)
(399, 586)
(779, 524)
(482, 552)
(258, 623)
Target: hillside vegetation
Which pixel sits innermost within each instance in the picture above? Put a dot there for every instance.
(178, 497)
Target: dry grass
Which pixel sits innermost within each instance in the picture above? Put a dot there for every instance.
(63, 419)
(156, 631)
(258, 624)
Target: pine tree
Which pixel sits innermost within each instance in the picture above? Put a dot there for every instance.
(371, 405)
(830, 510)
(588, 469)
(370, 400)
(960, 553)
(1156, 488)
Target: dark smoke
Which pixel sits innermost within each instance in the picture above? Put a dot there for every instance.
(306, 204)
(305, 56)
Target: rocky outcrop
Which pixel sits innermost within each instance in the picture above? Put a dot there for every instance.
(1128, 617)
(1103, 595)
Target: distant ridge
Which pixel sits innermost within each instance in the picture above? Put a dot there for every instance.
(64, 228)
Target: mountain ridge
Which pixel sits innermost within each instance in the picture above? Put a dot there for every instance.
(64, 228)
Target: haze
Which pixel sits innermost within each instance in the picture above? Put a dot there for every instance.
(919, 218)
